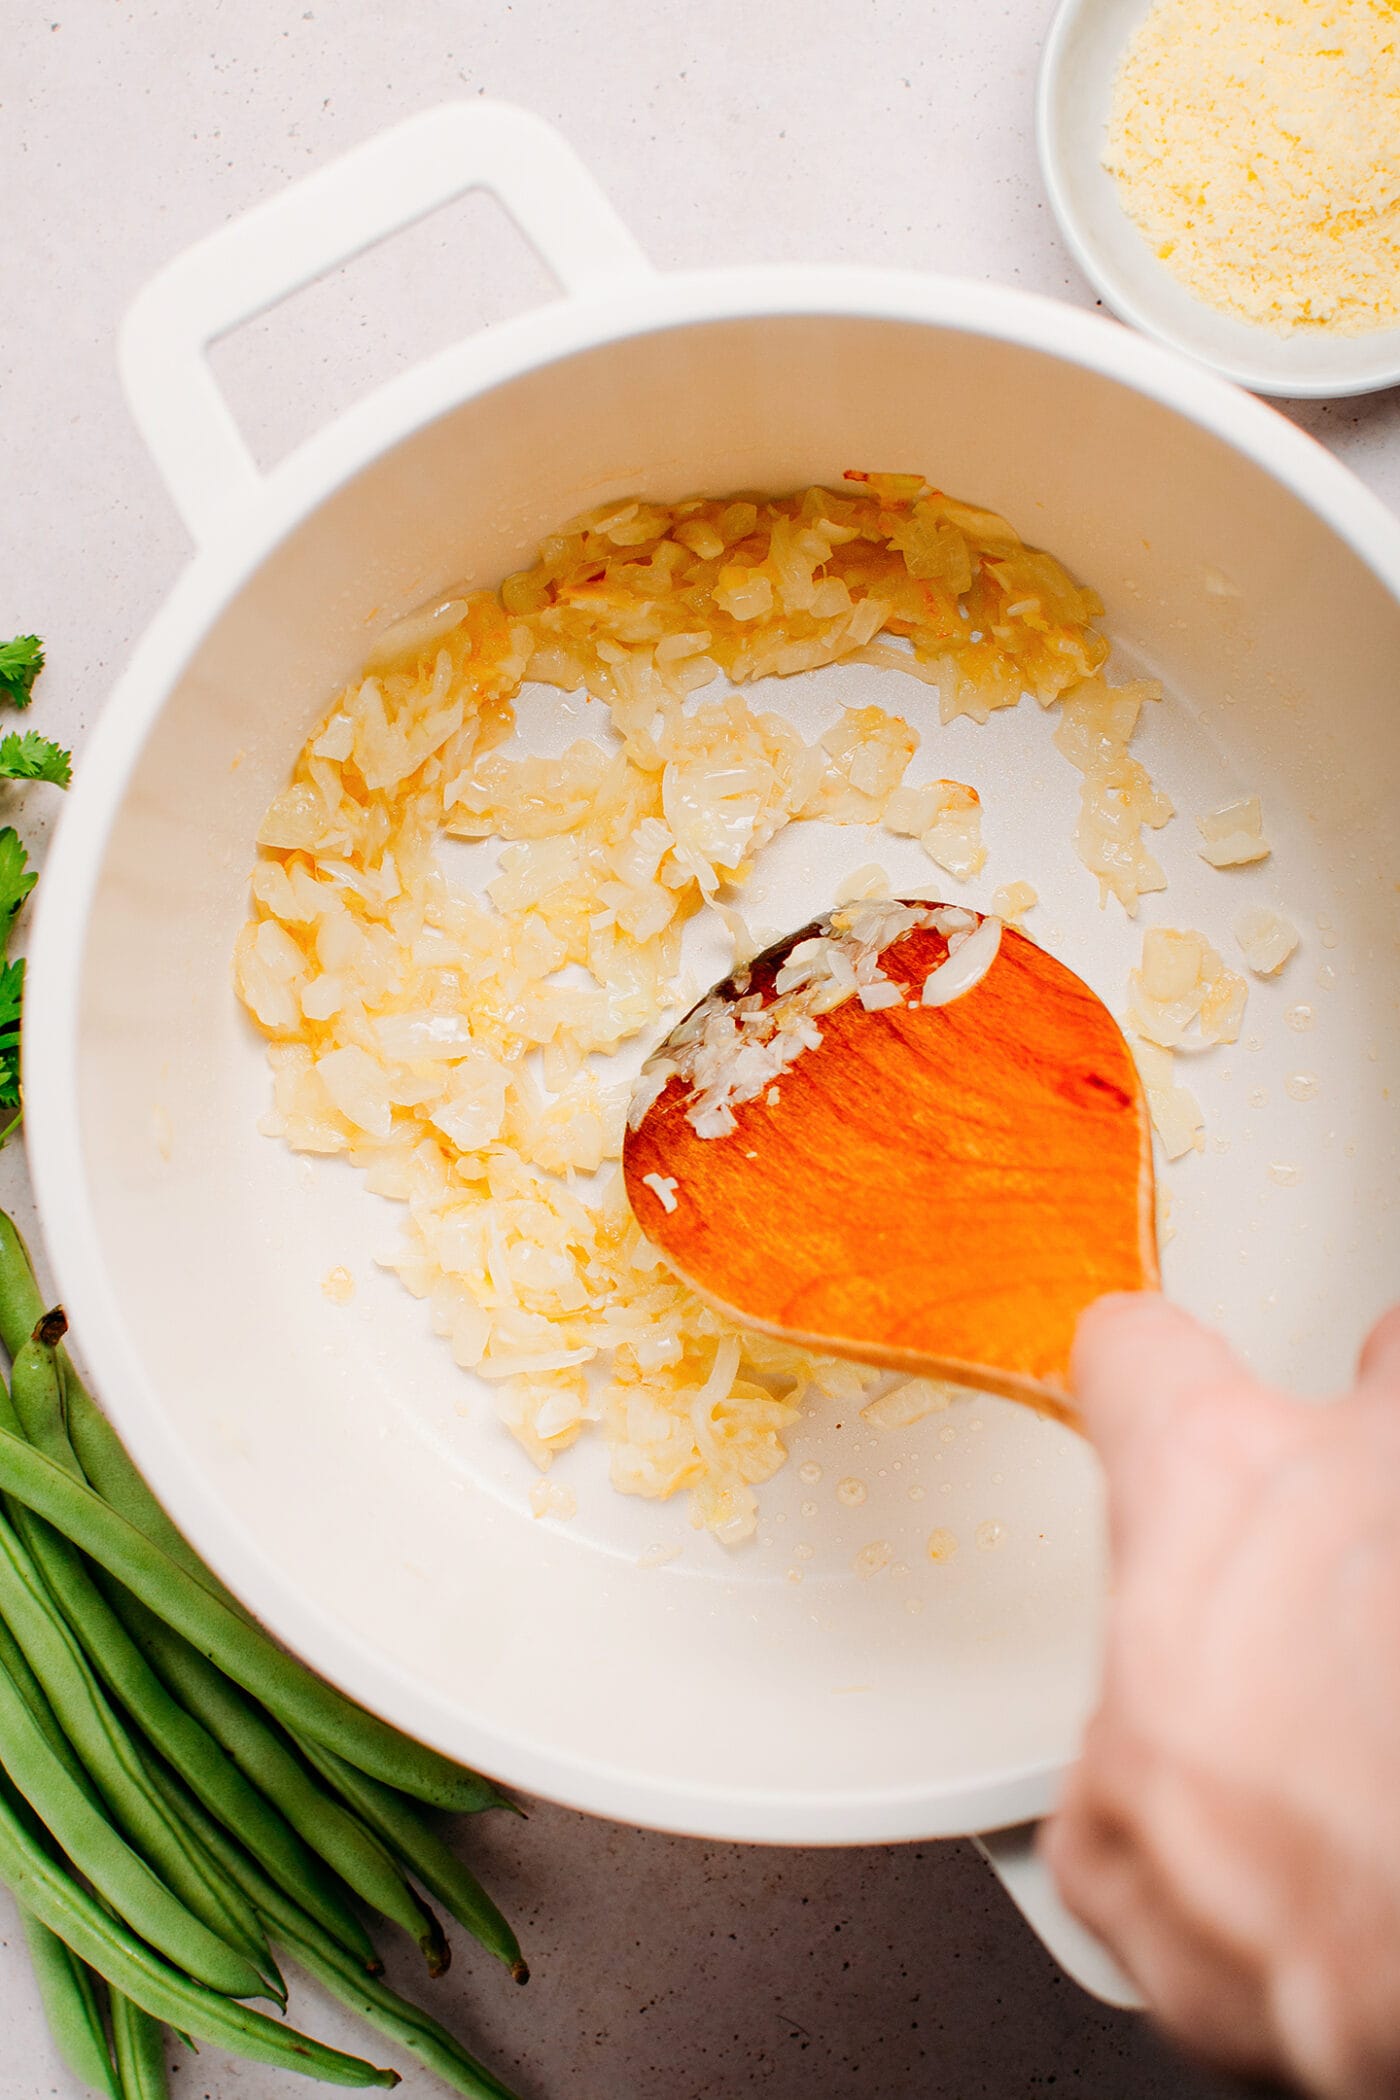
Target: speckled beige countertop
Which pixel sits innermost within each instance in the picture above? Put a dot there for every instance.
(870, 130)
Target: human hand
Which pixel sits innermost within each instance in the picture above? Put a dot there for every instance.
(1232, 1831)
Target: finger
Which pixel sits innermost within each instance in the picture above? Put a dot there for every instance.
(1379, 1361)
(1136, 1357)
(1088, 1844)
(1204, 1993)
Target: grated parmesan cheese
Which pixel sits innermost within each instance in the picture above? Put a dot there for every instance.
(1256, 145)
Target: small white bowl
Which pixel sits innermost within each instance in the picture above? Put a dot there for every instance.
(1082, 55)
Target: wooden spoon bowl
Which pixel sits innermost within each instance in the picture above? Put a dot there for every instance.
(941, 1189)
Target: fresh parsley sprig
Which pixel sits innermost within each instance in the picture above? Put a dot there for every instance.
(21, 661)
(11, 1005)
(24, 755)
(17, 879)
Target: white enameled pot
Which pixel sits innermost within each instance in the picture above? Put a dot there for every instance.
(330, 1461)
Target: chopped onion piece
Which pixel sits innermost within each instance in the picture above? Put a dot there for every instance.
(867, 882)
(1119, 801)
(1171, 962)
(910, 810)
(411, 635)
(1267, 939)
(1183, 983)
(663, 1187)
(547, 1499)
(1234, 834)
(1176, 1113)
(946, 818)
(912, 1400)
(964, 968)
(1013, 900)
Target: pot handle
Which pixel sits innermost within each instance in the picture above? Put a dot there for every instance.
(1012, 1857)
(273, 250)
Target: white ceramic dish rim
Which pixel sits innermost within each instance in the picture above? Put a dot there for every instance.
(233, 551)
(1314, 386)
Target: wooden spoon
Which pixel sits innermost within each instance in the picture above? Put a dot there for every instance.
(938, 1188)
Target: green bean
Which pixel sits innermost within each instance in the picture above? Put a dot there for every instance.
(21, 1307)
(264, 1754)
(14, 1661)
(230, 1914)
(105, 1749)
(403, 2022)
(241, 1650)
(138, 2043)
(10, 1657)
(185, 1742)
(489, 1795)
(108, 1469)
(422, 1851)
(71, 2006)
(60, 1575)
(396, 2017)
(41, 1885)
(476, 1793)
(36, 1394)
(105, 1859)
(180, 1737)
(36, 1389)
(45, 1381)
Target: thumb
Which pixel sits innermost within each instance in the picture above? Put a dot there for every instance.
(1380, 1352)
(1136, 1359)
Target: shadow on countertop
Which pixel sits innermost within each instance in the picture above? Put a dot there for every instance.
(675, 1969)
